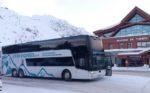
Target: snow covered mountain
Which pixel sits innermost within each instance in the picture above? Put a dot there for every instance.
(15, 28)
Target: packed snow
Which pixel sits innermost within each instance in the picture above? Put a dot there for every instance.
(22, 89)
(143, 68)
(113, 84)
(16, 28)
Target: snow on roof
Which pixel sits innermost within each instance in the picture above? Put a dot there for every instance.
(130, 53)
(136, 53)
(124, 50)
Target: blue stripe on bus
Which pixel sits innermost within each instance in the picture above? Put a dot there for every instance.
(9, 60)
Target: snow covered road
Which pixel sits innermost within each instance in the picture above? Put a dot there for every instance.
(115, 84)
(22, 89)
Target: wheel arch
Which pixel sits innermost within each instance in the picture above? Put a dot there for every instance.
(63, 72)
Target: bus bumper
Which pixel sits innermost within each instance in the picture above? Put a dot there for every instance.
(96, 74)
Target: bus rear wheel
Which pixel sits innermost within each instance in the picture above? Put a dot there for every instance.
(14, 73)
(21, 73)
(66, 75)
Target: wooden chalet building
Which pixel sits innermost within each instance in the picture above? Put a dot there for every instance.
(129, 41)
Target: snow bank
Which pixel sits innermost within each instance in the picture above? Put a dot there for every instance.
(143, 68)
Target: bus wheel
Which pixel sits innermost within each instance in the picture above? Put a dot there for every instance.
(66, 75)
(21, 73)
(14, 73)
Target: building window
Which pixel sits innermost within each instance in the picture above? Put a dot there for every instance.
(108, 34)
(137, 18)
(121, 45)
(148, 44)
(134, 30)
(139, 44)
(110, 46)
(142, 44)
(129, 45)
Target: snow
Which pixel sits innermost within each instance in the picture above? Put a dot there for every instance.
(127, 50)
(143, 68)
(113, 84)
(16, 28)
(136, 53)
(130, 53)
(22, 89)
(136, 84)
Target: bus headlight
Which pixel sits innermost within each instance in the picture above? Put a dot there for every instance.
(91, 72)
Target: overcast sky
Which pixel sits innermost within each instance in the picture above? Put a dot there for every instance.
(89, 14)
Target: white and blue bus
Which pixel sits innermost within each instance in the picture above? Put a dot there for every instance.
(76, 57)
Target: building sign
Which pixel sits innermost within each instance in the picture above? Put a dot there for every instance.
(122, 40)
(143, 38)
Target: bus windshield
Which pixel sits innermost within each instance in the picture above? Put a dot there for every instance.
(99, 59)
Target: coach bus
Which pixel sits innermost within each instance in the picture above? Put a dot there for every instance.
(75, 57)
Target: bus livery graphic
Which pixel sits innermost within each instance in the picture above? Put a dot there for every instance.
(7, 61)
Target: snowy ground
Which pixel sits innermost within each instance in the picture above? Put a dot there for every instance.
(24, 89)
(144, 68)
(115, 84)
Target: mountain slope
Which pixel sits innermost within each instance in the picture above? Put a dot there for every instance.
(15, 28)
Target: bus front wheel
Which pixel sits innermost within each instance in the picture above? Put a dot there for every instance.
(14, 73)
(21, 73)
(66, 75)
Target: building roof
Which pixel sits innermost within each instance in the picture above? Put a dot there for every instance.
(125, 22)
(143, 51)
(130, 52)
